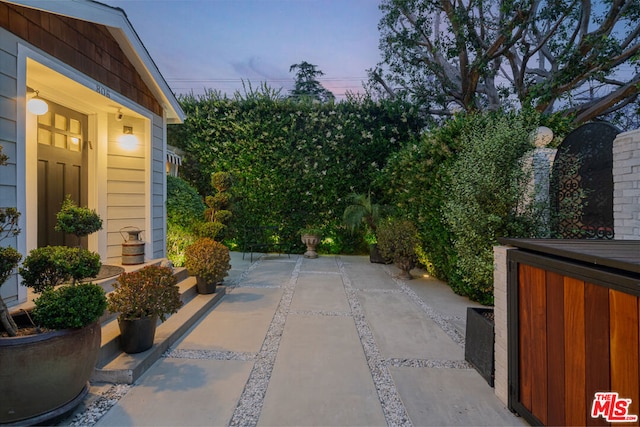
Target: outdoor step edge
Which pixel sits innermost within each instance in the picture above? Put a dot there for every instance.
(110, 343)
(127, 368)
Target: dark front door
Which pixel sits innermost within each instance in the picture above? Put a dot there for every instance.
(62, 169)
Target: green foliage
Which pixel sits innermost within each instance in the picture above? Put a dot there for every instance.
(208, 259)
(307, 87)
(184, 205)
(210, 229)
(50, 266)
(9, 222)
(178, 239)
(291, 161)
(9, 260)
(80, 221)
(221, 181)
(488, 197)
(480, 56)
(69, 306)
(150, 291)
(397, 242)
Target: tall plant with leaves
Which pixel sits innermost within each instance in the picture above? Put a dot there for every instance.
(488, 197)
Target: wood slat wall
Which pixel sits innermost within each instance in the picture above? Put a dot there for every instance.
(575, 338)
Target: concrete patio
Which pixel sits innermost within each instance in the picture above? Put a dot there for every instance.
(330, 341)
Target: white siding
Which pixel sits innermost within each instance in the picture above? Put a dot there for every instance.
(8, 138)
(126, 185)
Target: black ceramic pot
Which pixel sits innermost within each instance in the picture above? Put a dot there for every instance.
(137, 335)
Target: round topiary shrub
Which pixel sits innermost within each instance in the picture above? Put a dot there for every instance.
(50, 266)
(397, 242)
(152, 291)
(80, 221)
(70, 306)
(208, 259)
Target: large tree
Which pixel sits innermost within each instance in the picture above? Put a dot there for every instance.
(581, 57)
(307, 85)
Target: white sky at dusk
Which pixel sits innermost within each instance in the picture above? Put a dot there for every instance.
(200, 44)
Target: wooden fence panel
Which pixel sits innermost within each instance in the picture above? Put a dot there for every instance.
(574, 350)
(624, 347)
(555, 350)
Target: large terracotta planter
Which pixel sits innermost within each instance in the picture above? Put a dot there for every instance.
(46, 375)
(137, 335)
(311, 241)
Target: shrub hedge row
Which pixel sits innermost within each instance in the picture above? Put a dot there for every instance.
(293, 163)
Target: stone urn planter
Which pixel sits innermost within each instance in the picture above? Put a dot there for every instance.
(479, 342)
(44, 376)
(311, 241)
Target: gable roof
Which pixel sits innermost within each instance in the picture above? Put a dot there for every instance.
(115, 19)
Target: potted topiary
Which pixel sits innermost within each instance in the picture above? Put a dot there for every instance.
(209, 261)
(397, 241)
(362, 212)
(48, 355)
(141, 298)
(310, 236)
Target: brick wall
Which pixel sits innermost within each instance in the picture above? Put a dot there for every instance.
(626, 185)
(85, 46)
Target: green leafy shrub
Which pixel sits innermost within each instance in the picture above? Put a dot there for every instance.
(291, 161)
(178, 239)
(150, 291)
(208, 259)
(489, 197)
(80, 221)
(184, 205)
(397, 242)
(51, 266)
(209, 229)
(9, 260)
(69, 306)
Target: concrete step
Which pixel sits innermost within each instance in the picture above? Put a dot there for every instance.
(114, 366)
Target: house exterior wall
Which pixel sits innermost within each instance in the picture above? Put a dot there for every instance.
(89, 48)
(129, 187)
(8, 140)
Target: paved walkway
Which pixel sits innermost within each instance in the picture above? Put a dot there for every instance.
(333, 341)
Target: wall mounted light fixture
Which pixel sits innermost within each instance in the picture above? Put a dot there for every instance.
(36, 105)
(128, 140)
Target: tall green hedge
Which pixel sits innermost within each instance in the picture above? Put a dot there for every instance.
(464, 185)
(293, 163)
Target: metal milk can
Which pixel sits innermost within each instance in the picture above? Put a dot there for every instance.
(132, 247)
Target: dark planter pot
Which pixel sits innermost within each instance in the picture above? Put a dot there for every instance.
(45, 376)
(205, 287)
(136, 335)
(374, 255)
(479, 342)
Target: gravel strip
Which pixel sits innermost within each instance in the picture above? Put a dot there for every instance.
(426, 363)
(209, 354)
(394, 411)
(100, 406)
(320, 313)
(440, 320)
(250, 404)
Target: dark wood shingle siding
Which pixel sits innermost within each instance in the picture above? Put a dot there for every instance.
(85, 46)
